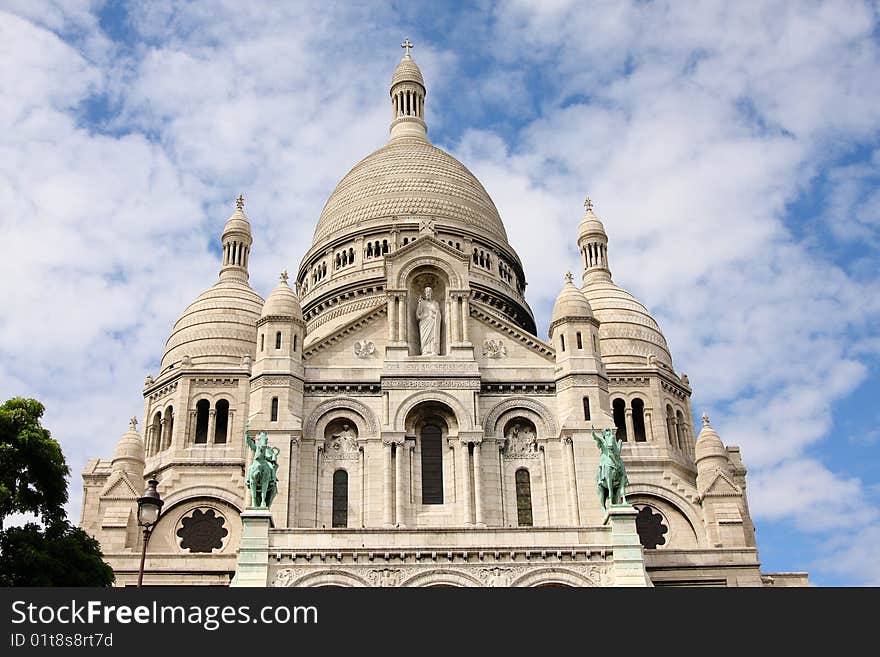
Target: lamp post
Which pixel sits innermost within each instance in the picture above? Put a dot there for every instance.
(149, 508)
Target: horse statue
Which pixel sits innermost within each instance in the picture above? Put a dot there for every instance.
(262, 478)
(611, 477)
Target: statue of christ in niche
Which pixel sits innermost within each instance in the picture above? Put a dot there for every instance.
(428, 314)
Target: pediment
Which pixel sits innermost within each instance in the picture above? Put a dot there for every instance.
(346, 334)
(427, 251)
(510, 332)
(119, 487)
(722, 486)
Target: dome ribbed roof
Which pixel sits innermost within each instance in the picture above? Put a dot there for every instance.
(627, 332)
(405, 179)
(282, 302)
(407, 71)
(130, 447)
(218, 327)
(709, 443)
(571, 302)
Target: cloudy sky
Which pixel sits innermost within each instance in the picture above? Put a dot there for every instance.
(732, 150)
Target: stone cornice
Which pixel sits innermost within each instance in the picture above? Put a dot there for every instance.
(505, 326)
(365, 318)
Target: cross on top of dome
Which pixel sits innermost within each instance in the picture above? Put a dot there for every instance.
(284, 276)
(407, 44)
(239, 202)
(588, 204)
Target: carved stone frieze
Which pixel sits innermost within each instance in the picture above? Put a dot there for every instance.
(430, 384)
(425, 574)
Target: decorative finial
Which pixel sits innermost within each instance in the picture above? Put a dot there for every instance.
(133, 424)
(284, 276)
(407, 44)
(588, 204)
(705, 419)
(239, 202)
(569, 278)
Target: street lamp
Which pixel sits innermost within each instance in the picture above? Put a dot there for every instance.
(149, 508)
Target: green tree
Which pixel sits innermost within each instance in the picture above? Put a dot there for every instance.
(33, 472)
(33, 479)
(59, 555)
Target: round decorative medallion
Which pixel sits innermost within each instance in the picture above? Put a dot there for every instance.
(202, 530)
(651, 528)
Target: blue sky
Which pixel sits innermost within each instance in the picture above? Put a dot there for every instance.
(730, 148)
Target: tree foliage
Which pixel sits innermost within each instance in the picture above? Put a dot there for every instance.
(32, 467)
(59, 555)
(33, 480)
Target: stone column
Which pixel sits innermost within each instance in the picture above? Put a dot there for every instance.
(478, 484)
(392, 318)
(466, 311)
(401, 318)
(455, 322)
(163, 433)
(466, 480)
(649, 427)
(292, 497)
(572, 483)
(230, 426)
(212, 425)
(389, 510)
(628, 421)
(190, 428)
(398, 484)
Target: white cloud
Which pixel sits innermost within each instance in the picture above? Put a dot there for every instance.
(692, 128)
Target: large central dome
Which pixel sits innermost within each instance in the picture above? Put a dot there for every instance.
(394, 196)
(406, 179)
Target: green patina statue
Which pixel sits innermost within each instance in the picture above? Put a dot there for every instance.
(611, 478)
(262, 477)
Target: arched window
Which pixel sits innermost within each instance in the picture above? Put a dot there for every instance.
(619, 408)
(432, 464)
(562, 340)
(679, 429)
(350, 256)
(369, 249)
(580, 341)
(202, 408)
(295, 336)
(670, 425)
(169, 426)
(384, 246)
(595, 343)
(639, 420)
(157, 432)
(274, 416)
(523, 498)
(221, 422)
(278, 340)
(340, 499)
(586, 408)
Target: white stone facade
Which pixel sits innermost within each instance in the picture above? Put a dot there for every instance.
(472, 466)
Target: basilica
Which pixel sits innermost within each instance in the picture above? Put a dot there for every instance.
(424, 434)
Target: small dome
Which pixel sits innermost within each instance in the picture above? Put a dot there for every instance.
(238, 222)
(129, 452)
(709, 443)
(571, 303)
(590, 224)
(627, 332)
(282, 301)
(217, 328)
(407, 71)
